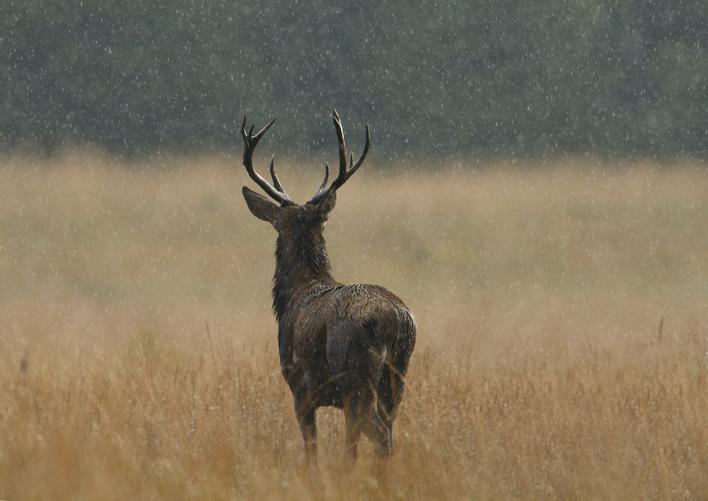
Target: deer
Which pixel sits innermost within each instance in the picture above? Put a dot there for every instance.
(346, 346)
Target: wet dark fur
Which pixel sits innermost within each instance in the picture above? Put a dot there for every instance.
(342, 345)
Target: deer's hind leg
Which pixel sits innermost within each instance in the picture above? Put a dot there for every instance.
(361, 416)
(380, 432)
(363, 413)
(305, 412)
(353, 429)
(389, 390)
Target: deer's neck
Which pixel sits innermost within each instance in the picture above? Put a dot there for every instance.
(300, 264)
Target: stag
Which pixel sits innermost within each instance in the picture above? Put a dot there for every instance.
(346, 346)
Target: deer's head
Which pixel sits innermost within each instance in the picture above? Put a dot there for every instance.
(286, 215)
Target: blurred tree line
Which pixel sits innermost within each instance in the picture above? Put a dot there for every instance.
(431, 77)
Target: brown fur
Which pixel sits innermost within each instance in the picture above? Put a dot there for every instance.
(341, 345)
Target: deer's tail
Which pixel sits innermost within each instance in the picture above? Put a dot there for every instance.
(368, 359)
(355, 357)
(339, 345)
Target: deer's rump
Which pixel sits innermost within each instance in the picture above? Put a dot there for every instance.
(351, 339)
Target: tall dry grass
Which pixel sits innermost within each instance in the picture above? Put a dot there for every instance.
(562, 312)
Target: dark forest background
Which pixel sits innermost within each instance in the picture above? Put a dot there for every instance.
(457, 77)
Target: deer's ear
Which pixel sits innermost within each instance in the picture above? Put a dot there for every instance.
(327, 203)
(260, 206)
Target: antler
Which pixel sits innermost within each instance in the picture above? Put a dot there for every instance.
(344, 172)
(250, 141)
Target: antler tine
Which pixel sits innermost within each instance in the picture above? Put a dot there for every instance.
(358, 163)
(344, 172)
(274, 176)
(250, 141)
(342, 176)
(263, 130)
(324, 181)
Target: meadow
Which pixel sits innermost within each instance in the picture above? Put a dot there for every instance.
(562, 313)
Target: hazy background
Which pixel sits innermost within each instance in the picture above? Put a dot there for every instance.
(452, 77)
(537, 193)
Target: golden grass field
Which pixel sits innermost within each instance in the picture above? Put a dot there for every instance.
(562, 312)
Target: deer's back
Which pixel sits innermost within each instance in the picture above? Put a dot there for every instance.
(359, 304)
